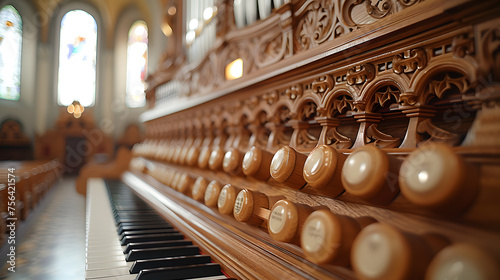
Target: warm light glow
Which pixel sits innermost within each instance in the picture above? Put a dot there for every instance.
(234, 70)
(193, 24)
(190, 37)
(172, 10)
(76, 109)
(209, 13)
(140, 30)
(166, 29)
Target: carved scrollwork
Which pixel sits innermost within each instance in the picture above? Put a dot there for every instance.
(382, 97)
(308, 111)
(273, 49)
(316, 25)
(408, 3)
(343, 103)
(359, 106)
(337, 140)
(271, 97)
(207, 72)
(410, 61)
(294, 91)
(462, 45)
(408, 98)
(305, 139)
(235, 107)
(252, 102)
(284, 115)
(323, 84)
(360, 74)
(490, 52)
(381, 139)
(439, 87)
(437, 134)
(378, 10)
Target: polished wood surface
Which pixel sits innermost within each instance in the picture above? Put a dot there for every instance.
(404, 93)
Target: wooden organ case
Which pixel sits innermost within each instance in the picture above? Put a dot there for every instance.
(360, 142)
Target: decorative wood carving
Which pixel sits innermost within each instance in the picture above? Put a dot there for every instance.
(437, 134)
(410, 61)
(441, 86)
(316, 25)
(381, 139)
(346, 74)
(360, 74)
(322, 84)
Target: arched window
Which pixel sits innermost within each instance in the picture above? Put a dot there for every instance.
(77, 59)
(11, 31)
(137, 59)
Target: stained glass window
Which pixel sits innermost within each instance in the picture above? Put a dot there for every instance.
(137, 59)
(11, 30)
(77, 59)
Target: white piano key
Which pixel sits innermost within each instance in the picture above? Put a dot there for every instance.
(105, 259)
(107, 265)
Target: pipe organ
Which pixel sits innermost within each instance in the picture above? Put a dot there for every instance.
(359, 142)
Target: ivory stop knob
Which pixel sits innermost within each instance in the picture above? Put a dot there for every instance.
(247, 207)
(463, 262)
(216, 158)
(227, 197)
(434, 176)
(382, 252)
(175, 178)
(323, 169)
(192, 156)
(286, 167)
(184, 183)
(204, 157)
(286, 221)
(370, 174)
(231, 163)
(327, 237)
(198, 190)
(212, 193)
(176, 158)
(256, 163)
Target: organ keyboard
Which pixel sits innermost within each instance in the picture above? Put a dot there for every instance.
(126, 239)
(359, 140)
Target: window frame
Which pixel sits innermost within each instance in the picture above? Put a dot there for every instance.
(56, 29)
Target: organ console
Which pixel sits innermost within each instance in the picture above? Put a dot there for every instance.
(359, 140)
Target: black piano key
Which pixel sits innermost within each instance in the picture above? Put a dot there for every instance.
(144, 223)
(154, 253)
(140, 222)
(180, 272)
(147, 231)
(168, 262)
(156, 244)
(122, 228)
(151, 237)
